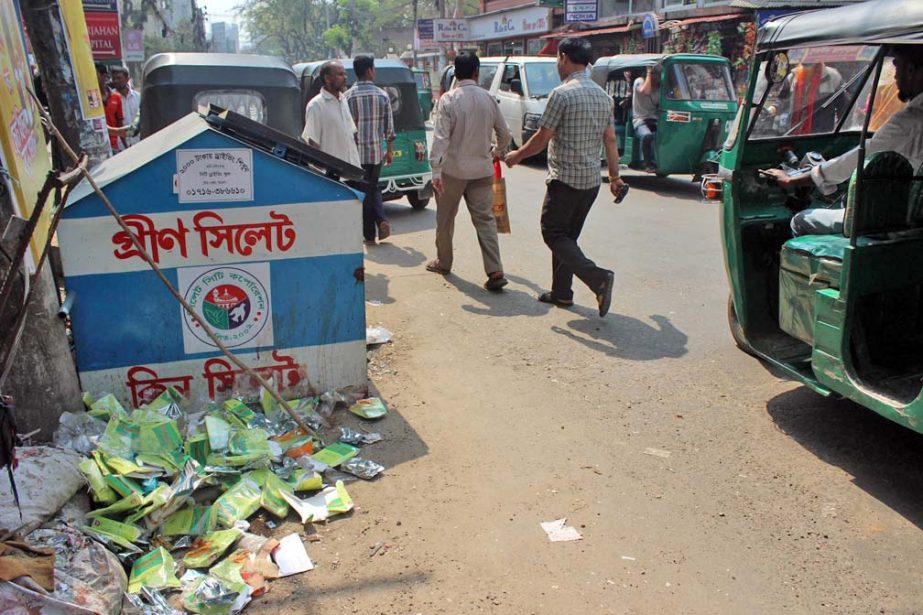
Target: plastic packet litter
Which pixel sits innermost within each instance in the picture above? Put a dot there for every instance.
(249, 442)
(239, 409)
(158, 436)
(132, 502)
(291, 557)
(113, 542)
(190, 521)
(207, 549)
(296, 443)
(363, 468)
(371, 408)
(125, 531)
(106, 407)
(118, 439)
(209, 595)
(266, 400)
(329, 502)
(329, 401)
(354, 436)
(377, 335)
(170, 403)
(219, 431)
(79, 431)
(336, 453)
(102, 492)
(238, 502)
(304, 480)
(272, 487)
(155, 569)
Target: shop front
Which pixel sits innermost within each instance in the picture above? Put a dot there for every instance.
(511, 32)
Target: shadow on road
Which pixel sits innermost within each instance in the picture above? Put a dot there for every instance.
(389, 254)
(625, 337)
(376, 288)
(509, 302)
(883, 458)
(676, 187)
(405, 219)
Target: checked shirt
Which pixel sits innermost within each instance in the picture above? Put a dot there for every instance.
(578, 111)
(370, 107)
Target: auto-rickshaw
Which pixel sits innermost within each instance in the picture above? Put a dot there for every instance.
(424, 91)
(697, 105)
(261, 88)
(841, 313)
(409, 173)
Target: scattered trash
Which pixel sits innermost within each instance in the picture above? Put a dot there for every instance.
(291, 557)
(352, 436)
(363, 468)
(371, 408)
(558, 532)
(377, 335)
(329, 502)
(656, 452)
(628, 558)
(155, 569)
(336, 453)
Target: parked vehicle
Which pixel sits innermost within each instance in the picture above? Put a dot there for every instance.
(261, 88)
(843, 313)
(697, 106)
(409, 174)
(424, 92)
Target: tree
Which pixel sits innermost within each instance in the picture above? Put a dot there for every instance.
(293, 29)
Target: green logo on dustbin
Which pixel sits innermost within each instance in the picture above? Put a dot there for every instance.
(232, 301)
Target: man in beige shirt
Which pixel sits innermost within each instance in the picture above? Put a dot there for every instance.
(462, 161)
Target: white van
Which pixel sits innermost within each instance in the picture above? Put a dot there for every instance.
(521, 85)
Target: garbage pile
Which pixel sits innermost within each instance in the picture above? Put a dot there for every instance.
(173, 489)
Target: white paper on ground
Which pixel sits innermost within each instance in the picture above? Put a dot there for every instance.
(311, 509)
(377, 335)
(558, 532)
(291, 556)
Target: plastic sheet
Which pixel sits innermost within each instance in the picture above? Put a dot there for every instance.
(78, 431)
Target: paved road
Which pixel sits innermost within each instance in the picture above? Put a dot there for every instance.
(508, 412)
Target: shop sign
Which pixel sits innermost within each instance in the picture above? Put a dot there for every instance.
(450, 30)
(102, 17)
(425, 30)
(581, 10)
(517, 23)
(650, 26)
(133, 45)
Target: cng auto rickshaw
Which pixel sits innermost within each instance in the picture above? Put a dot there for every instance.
(697, 106)
(841, 313)
(424, 91)
(261, 88)
(409, 173)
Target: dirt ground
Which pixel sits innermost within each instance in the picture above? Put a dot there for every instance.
(700, 482)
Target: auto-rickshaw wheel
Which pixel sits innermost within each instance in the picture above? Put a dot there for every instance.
(416, 202)
(737, 332)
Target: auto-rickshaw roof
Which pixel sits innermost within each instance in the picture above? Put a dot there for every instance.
(213, 68)
(603, 67)
(871, 22)
(403, 75)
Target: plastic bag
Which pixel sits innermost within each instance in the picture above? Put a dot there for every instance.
(155, 569)
(102, 492)
(371, 408)
(190, 521)
(78, 431)
(336, 453)
(238, 502)
(207, 549)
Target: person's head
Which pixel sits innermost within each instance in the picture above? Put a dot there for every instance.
(467, 65)
(908, 70)
(655, 75)
(120, 78)
(365, 68)
(102, 76)
(333, 75)
(574, 53)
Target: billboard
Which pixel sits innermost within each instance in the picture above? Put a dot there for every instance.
(581, 10)
(450, 30)
(102, 17)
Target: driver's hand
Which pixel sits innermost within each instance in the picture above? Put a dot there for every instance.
(777, 175)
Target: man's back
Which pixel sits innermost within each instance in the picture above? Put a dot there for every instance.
(370, 107)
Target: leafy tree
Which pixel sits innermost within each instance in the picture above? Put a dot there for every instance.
(293, 29)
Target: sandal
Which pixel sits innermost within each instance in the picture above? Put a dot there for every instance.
(495, 283)
(549, 298)
(435, 267)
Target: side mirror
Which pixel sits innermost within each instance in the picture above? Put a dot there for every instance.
(516, 86)
(778, 68)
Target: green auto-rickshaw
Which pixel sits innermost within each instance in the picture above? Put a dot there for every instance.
(697, 105)
(409, 174)
(841, 313)
(424, 91)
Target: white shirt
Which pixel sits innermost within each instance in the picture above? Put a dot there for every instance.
(903, 133)
(131, 106)
(328, 122)
(644, 106)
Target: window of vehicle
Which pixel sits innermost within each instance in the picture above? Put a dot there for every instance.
(510, 72)
(822, 88)
(422, 79)
(541, 78)
(248, 103)
(699, 81)
(487, 73)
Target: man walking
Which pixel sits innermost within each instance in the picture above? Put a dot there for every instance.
(328, 124)
(462, 162)
(578, 116)
(131, 101)
(370, 107)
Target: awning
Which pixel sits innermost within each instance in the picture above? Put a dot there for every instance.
(594, 32)
(678, 23)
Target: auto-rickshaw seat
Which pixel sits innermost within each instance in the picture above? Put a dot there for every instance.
(886, 205)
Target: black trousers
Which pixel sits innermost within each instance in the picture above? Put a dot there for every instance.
(373, 210)
(563, 213)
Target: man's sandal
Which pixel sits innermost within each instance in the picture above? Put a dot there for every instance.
(549, 298)
(435, 267)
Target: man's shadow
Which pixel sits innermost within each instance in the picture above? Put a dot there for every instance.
(390, 254)
(625, 337)
(508, 302)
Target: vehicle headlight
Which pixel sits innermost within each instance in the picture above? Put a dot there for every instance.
(530, 121)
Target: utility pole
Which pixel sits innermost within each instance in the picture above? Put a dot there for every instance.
(415, 32)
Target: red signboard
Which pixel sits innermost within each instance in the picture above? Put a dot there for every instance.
(103, 28)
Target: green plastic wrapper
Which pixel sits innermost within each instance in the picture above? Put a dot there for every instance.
(154, 570)
(122, 485)
(106, 408)
(251, 460)
(272, 487)
(219, 431)
(127, 504)
(209, 595)
(167, 462)
(241, 410)
(158, 498)
(170, 396)
(128, 532)
(190, 521)
(158, 437)
(249, 442)
(302, 480)
(238, 502)
(119, 438)
(198, 448)
(371, 408)
(207, 549)
(336, 453)
(102, 492)
(340, 502)
(266, 401)
(87, 399)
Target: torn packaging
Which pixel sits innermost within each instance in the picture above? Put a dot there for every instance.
(18, 559)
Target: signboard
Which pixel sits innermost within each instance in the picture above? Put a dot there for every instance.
(516, 23)
(450, 30)
(133, 45)
(650, 26)
(425, 30)
(214, 175)
(102, 18)
(581, 10)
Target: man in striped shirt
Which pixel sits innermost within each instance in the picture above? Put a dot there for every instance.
(370, 107)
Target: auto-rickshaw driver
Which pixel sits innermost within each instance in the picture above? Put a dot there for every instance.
(645, 109)
(902, 133)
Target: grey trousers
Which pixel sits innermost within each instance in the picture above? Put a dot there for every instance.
(818, 222)
(478, 195)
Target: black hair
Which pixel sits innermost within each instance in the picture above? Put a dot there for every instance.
(362, 65)
(911, 53)
(101, 68)
(120, 70)
(577, 49)
(327, 68)
(466, 64)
